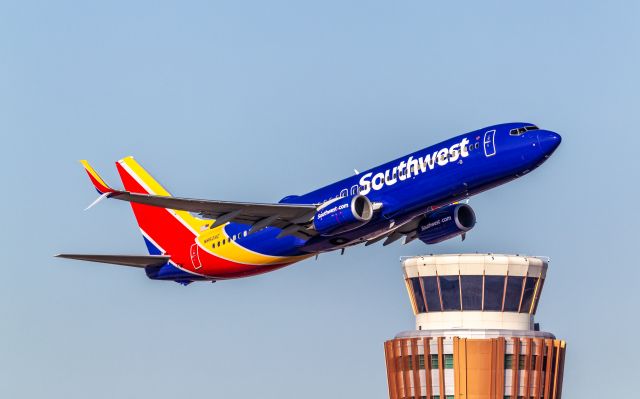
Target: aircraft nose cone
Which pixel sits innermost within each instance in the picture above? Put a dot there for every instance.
(549, 141)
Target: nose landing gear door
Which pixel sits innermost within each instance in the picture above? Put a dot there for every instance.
(489, 143)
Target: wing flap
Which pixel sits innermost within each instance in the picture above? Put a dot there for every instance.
(121, 260)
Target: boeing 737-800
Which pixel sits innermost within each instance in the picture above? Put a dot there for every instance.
(420, 195)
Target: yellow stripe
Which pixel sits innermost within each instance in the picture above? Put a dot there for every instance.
(412, 296)
(156, 189)
(535, 292)
(93, 173)
(235, 252)
(142, 174)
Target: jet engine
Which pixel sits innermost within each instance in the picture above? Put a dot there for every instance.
(343, 214)
(446, 222)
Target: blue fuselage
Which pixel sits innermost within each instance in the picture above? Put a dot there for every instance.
(415, 184)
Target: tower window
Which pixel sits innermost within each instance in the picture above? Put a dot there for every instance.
(450, 289)
(434, 362)
(508, 362)
(448, 361)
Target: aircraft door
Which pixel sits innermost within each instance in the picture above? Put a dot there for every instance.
(489, 143)
(195, 258)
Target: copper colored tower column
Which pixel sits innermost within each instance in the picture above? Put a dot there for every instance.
(475, 335)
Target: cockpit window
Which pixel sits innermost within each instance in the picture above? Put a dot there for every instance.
(520, 131)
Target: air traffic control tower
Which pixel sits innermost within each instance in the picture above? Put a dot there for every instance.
(475, 335)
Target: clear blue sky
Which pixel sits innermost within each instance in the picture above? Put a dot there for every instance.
(256, 100)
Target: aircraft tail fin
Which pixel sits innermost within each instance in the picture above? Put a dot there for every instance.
(166, 231)
(132, 172)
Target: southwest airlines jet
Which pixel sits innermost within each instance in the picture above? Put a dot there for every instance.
(420, 195)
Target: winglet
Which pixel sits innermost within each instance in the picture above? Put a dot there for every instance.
(98, 183)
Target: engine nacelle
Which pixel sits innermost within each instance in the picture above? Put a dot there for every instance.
(445, 223)
(343, 214)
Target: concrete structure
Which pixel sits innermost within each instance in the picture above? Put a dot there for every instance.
(475, 333)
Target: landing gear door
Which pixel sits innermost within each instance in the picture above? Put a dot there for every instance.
(489, 143)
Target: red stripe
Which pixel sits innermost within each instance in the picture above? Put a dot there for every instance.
(176, 239)
(99, 186)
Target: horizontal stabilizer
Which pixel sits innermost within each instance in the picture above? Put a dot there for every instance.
(122, 260)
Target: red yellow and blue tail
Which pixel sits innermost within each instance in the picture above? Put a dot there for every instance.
(181, 236)
(165, 230)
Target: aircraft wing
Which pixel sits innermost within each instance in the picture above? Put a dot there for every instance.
(408, 230)
(293, 218)
(278, 215)
(122, 260)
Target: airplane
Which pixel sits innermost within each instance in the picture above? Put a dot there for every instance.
(422, 195)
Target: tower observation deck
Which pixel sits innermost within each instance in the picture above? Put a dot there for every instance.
(475, 333)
